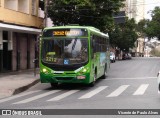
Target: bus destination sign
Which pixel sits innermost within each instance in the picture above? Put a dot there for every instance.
(65, 32)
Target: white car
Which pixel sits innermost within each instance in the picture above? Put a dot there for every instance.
(112, 57)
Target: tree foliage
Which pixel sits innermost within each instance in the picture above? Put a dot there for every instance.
(124, 35)
(97, 13)
(153, 27)
(141, 27)
(155, 52)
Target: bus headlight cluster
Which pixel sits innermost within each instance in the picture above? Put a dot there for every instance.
(84, 70)
(82, 73)
(44, 70)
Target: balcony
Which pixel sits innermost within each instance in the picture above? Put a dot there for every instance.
(21, 12)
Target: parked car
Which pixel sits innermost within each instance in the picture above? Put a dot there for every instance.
(128, 56)
(112, 57)
(124, 57)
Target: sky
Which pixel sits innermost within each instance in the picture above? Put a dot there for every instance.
(150, 5)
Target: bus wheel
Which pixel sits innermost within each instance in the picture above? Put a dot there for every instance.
(92, 84)
(54, 85)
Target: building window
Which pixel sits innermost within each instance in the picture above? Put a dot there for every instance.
(11, 4)
(34, 7)
(23, 6)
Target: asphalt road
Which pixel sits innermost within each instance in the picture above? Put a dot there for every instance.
(130, 84)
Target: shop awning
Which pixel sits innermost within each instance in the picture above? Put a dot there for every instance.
(17, 28)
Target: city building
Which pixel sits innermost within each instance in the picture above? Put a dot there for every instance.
(136, 9)
(20, 26)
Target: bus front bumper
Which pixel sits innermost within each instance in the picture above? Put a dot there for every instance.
(47, 78)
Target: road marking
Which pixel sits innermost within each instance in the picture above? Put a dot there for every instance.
(63, 95)
(141, 89)
(36, 97)
(17, 96)
(118, 91)
(94, 92)
(132, 78)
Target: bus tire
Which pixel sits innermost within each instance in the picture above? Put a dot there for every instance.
(54, 85)
(92, 84)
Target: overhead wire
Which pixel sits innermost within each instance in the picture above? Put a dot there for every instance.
(67, 11)
(133, 4)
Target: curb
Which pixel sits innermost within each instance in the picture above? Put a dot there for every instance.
(24, 88)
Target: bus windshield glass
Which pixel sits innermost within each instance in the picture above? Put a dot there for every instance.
(65, 51)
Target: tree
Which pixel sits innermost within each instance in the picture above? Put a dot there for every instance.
(124, 35)
(155, 52)
(153, 27)
(97, 13)
(141, 27)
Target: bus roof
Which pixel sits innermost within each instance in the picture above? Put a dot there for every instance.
(90, 28)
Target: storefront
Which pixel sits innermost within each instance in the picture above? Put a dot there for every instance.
(17, 47)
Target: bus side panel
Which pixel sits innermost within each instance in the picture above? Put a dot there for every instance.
(103, 63)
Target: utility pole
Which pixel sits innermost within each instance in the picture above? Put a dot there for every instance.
(45, 12)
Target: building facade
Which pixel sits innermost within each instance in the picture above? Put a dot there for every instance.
(136, 9)
(20, 26)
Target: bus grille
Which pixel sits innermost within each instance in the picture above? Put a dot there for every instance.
(64, 78)
(64, 68)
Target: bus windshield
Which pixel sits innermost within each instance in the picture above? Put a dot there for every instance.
(65, 51)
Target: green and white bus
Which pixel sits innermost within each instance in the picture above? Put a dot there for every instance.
(73, 54)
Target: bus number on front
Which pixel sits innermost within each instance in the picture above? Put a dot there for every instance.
(50, 59)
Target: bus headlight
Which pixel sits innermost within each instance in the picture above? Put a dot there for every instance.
(44, 70)
(84, 70)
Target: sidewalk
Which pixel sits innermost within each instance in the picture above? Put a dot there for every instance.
(15, 82)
